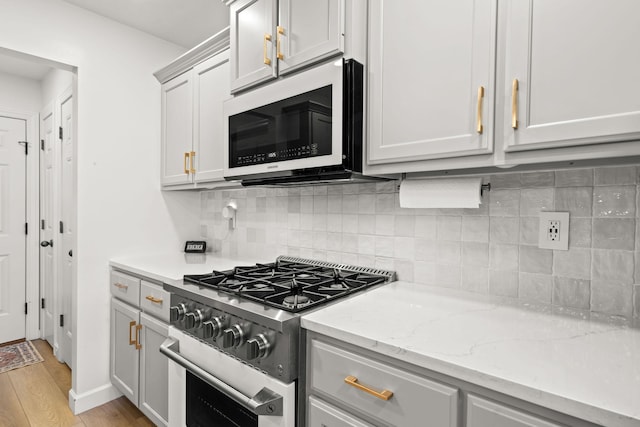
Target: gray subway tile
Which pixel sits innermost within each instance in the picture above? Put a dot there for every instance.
(503, 283)
(475, 279)
(568, 292)
(615, 201)
(529, 230)
(448, 253)
(535, 287)
(533, 201)
(425, 226)
(475, 254)
(503, 257)
(537, 179)
(575, 200)
(614, 233)
(535, 260)
(617, 175)
(475, 228)
(613, 266)
(636, 301)
(504, 180)
(504, 229)
(580, 232)
(574, 263)
(613, 299)
(504, 203)
(449, 227)
(424, 272)
(448, 275)
(574, 178)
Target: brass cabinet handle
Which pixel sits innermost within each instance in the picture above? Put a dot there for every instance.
(131, 325)
(267, 38)
(120, 286)
(479, 127)
(279, 53)
(514, 104)
(353, 381)
(191, 156)
(186, 159)
(137, 342)
(153, 299)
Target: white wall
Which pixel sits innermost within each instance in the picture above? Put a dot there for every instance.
(120, 207)
(54, 83)
(19, 94)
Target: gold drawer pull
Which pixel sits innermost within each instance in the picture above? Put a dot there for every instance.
(131, 325)
(514, 104)
(121, 286)
(137, 342)
(191, 156)
(353, 381)
(279, 53)
(186, 159)
(267, 38)
(480, 98)
(153, 299)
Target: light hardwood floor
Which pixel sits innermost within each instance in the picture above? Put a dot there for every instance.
(37, 396)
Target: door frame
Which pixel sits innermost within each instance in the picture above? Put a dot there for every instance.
(32, 273)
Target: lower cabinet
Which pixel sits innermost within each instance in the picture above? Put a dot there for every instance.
(350, 386)
(137, 367)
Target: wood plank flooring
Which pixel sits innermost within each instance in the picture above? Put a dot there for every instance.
(37, 396)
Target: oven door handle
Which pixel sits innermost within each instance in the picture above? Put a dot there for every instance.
(265, 402)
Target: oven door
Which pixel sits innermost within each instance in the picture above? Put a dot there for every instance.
(210, 388)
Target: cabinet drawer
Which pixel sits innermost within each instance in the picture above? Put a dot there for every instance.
(125, 287)
(154, 300)
(414, 399)
(481, 413)
(321, 414)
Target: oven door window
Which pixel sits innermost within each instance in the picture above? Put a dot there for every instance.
(207, 407)
(294, 128)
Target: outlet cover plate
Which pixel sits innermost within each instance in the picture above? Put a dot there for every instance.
(559, 239)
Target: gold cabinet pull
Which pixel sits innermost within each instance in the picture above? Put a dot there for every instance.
(153, 299)
(514, 104)
(120, 286)
(137, 342)
(192, 155)
(131, 325)
(353, 381)
(186, 159)
(267, 38)
(279, 53)
(479, 110)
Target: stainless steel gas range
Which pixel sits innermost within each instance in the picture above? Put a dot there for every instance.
(234, 345)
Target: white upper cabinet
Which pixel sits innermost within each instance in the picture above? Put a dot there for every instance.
(431, 74)
(268, 38)
(211, 88)
(576, 64)
(177, 129)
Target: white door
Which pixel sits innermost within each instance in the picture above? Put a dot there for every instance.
(577, 67)
(12, 229)
(308, 31)
(211, 88)
(47, 219)
(177, 129)
(430, 63)
(252, 41)
(65, 227)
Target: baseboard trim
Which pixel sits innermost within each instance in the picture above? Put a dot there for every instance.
(98, 396)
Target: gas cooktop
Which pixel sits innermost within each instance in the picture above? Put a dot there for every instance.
(292, 284)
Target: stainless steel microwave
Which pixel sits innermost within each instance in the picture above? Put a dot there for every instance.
(304, 128)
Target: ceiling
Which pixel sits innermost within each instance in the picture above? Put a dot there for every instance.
(11, 64)
(183, 22)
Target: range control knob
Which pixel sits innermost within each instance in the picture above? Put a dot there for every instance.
(212, 328)
(232, 337)
(194, 319)
(176, 313)
(257, 347)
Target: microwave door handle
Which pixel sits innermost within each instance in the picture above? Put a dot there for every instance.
(265, 402)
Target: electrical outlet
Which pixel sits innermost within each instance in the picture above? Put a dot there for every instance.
(554, 231)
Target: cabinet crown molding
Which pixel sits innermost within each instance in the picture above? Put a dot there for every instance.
(213, 45)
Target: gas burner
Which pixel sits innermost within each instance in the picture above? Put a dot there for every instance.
(296, 301)
(334, 287)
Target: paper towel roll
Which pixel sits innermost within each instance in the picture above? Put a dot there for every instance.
(441, 193)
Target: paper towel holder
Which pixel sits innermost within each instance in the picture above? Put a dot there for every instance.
(485, 187)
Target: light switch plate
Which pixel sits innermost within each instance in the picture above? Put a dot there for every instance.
(554, 231)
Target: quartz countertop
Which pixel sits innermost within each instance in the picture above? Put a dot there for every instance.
(171, 267)
(585, 368)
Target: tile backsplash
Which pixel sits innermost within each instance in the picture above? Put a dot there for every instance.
(491, 250)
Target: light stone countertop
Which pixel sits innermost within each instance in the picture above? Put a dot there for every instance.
(585, 368)
(171, 267)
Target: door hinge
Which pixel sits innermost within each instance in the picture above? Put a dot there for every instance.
(26, 228)
(42, 303)
(62, 320)
(42, 144)
(61, 227)
(26, 308)
(60, 133)
(42, 224)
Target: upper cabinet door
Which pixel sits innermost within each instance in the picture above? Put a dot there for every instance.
(309, 31)
(211, 88)
(252, 39)
(177, 125)
(576, 64)
(430, 79)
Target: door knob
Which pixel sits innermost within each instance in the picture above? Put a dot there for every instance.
(46, 243)
(70, 252)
